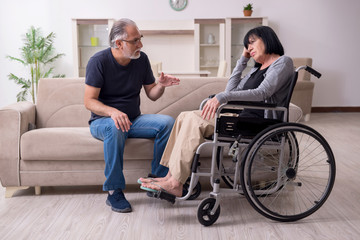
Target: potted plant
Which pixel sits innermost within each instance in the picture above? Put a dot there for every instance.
(36, 54)
(248, 10)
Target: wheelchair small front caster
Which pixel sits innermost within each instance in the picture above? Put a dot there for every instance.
(195, 192)
(204, 212)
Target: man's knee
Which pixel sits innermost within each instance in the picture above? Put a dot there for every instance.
(166, 121)
(169, 121)
(112, 131)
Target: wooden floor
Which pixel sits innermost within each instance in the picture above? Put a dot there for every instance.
(81, 213)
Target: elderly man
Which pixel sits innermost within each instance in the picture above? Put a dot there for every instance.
(114, 78)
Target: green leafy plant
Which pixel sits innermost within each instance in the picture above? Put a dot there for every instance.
(36, 54)
(248, 7)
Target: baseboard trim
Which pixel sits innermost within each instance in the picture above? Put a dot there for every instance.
(334, 109)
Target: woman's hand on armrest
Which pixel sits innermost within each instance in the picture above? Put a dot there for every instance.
(210, 108)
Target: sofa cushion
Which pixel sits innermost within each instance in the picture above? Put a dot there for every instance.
(75, 144)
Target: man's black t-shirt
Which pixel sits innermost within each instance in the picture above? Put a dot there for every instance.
(120, 85)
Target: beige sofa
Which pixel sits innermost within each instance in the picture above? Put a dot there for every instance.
(49, 144)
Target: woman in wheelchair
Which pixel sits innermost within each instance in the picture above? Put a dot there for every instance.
(267, 81)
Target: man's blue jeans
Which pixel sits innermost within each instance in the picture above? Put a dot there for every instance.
(145, 126)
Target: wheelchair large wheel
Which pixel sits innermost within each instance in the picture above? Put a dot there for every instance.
(228, 169)
(288, 172)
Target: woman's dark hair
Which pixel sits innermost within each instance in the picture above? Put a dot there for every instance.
(269, 37)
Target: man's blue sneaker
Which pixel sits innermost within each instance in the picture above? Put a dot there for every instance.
(118, 202)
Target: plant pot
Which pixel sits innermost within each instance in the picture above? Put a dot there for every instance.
(247, 13)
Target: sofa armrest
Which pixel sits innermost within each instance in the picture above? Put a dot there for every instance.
(302, 95)
(304, 85)
(15, 120)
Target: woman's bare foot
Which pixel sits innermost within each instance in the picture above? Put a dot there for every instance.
(171, 186)
(160, 179)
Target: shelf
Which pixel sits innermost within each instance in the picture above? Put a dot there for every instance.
(87, 46)
(209, 21)
(92, 21)
(188, 74)
(209, 45)
(245, 20)
(167, 32)
(208, 56)
(209, 66)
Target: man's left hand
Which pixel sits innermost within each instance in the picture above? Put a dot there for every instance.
(168, 80)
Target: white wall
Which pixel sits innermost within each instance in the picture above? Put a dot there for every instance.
(327, 31)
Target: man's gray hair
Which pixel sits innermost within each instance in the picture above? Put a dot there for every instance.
(118, 30)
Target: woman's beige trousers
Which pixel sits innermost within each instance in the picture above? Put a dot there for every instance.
(187, 134)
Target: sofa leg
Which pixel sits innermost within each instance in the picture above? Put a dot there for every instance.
(9, 192)
(307, 117)
(37, 190)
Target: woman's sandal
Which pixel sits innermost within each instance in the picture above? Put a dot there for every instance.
(152, 180)
(150, 177)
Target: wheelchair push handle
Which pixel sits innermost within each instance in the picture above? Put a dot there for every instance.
(313, 71)
(310, 70)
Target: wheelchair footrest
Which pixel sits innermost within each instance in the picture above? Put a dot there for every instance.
(165, 196)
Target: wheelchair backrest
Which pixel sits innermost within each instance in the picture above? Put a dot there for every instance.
(291, 90)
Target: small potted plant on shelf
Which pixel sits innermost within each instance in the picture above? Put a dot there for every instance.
(248, 10)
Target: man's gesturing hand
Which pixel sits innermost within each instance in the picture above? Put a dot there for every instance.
(168, 80)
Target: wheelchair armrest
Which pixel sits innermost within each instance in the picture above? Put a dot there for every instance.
(253, 104)
(233, 105)
(250, 105)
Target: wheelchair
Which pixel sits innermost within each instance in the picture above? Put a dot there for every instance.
(285, 170)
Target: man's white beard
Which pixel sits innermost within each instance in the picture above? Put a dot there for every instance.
(136, 55)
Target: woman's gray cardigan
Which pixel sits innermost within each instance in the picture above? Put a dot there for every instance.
(273, 89)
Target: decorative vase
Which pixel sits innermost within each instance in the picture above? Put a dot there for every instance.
(247, 13)
(94, 41)
(211, 39)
